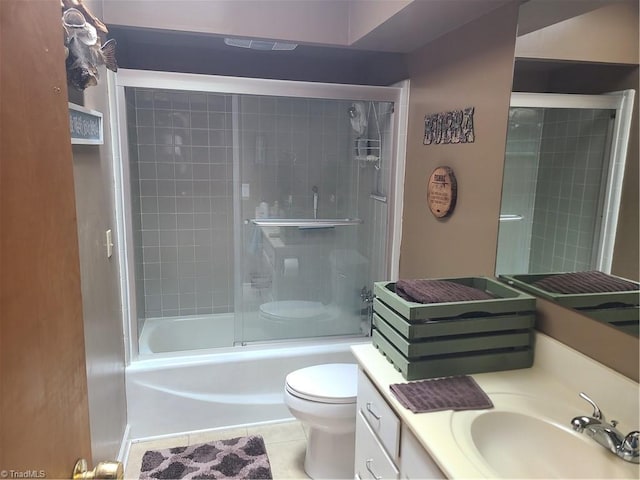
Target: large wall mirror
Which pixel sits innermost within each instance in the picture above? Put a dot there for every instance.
(569, 56)
(562, 185)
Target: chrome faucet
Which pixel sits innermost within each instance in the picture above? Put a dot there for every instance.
(606, 434)
(366, 295)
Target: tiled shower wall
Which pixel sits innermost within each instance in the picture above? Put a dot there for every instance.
(570, 185)
(290, 145)
(181, 162)
(134, 178)
(183, 173)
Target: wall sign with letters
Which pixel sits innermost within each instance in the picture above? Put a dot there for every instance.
(449, 127)
(442, 192)
(85, 125)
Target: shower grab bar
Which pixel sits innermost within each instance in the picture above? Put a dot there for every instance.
(509, 217)
(304, 222)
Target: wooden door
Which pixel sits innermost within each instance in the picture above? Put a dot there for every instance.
(44, 420)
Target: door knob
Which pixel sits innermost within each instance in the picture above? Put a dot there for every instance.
(103, 471)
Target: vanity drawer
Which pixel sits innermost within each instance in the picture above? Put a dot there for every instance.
(371, 459)
(378, 415)
(415, 462)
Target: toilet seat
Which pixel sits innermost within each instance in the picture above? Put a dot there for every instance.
(293, 310)
(334, 383)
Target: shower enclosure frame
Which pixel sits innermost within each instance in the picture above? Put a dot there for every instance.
(126, 78)
(622, 103)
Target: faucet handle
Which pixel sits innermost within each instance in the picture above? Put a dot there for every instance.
(632, 440)
(630, 449)
(597, 413)
(581, 422)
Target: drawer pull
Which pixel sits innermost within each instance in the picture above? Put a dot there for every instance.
(368, 465)
(373, 414)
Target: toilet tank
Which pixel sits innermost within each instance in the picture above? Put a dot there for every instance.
(349, 273)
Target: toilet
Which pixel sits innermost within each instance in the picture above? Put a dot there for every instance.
(324, 398)
(293, 318)
(307, 318)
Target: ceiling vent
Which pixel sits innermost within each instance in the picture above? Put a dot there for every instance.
(259, 44)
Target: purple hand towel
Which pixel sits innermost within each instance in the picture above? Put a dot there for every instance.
(438, 291)
(436, 394)
(585, 282)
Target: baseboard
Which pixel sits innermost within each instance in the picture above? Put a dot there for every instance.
(153, 438)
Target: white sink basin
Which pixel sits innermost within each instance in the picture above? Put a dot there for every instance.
(525, 437)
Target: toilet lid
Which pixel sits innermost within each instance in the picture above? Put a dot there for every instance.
(330, 383)
(293, 310)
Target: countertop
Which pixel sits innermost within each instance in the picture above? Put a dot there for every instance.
(557, 376)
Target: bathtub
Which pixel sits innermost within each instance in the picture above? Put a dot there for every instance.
(204, 389)
(170, 334)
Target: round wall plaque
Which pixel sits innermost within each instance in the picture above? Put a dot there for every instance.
(442, 191)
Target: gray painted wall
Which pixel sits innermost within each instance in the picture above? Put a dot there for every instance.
(104, 344)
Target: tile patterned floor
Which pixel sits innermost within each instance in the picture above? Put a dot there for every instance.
(285, 442)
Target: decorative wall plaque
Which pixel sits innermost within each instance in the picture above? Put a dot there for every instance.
(85, 125)
(442, 191)
(449, 127)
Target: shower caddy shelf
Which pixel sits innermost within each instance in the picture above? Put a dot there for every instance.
(368, 151)
(372, 146)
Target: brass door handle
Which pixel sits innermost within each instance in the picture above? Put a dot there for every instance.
(111, 470)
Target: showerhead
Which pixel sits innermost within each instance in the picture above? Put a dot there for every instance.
(522, 114)
(358, 118)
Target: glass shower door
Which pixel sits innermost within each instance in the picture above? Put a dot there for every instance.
(206, 164)
(519, 189)
(180, 172)
(304, 200)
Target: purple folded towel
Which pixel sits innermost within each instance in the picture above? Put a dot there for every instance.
(436, 394)
(585, 282)
(438, 291)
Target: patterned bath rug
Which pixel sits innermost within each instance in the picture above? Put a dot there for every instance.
(237, 458)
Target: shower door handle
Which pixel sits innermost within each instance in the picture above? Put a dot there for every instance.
(305, 222)
(510, 217)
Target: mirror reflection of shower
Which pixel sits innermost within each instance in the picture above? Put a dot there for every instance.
(562, 181)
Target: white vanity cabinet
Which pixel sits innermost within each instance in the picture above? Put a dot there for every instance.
(386, 449)
(371, 459)
(377, 434)
(415, 463)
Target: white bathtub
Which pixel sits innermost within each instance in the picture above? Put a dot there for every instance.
(205, 389)
(171, 334)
